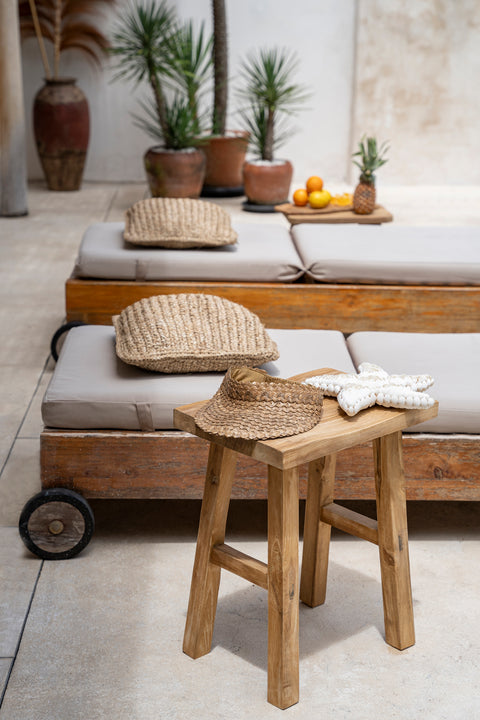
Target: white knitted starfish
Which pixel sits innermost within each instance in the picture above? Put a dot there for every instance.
(374, 385)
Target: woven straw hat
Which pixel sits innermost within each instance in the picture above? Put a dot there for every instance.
(178, 223)
(191, 332)
(251, 404)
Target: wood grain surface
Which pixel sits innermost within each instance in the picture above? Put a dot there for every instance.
(346, 307)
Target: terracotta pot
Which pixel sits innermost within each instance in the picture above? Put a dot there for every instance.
(225, 157)
(61, 125)
(175, 173)
(267, 183)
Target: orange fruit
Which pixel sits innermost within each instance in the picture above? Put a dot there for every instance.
(300, 197)
(314, 183)
(319, 198)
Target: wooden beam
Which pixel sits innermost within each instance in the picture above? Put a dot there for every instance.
(327, 306)
(350, 522)
(247, 567)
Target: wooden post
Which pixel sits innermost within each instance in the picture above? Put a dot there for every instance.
(316, 534)
(283, 610)
(13, 182)
(202, 605)
(393, 541)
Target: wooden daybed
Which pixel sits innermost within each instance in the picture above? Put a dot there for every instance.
(348, 278)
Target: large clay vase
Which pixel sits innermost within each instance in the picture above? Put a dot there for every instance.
(267, 183)
(61, 124)
(225, 157)
(175, 173)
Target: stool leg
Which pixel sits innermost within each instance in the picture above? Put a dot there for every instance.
(316, 534)
(393, 541)
(206, 576)
(283, 610)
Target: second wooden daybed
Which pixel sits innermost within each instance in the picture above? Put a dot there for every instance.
(348, 278)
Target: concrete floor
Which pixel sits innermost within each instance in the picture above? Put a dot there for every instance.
(100, 636)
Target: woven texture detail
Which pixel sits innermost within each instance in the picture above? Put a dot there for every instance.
(251, 404)
(191, 333)
(178, 223)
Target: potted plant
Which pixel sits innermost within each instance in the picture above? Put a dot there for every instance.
(61, 120)
(150, 45)
(225, 150)
(271, 94)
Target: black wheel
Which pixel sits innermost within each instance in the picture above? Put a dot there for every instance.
(58, 334)
(56, 524)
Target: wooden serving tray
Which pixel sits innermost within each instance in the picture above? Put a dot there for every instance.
(335, 214)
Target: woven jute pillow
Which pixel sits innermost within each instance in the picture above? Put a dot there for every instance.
(191, 333)
(251, 404)
(178, 223)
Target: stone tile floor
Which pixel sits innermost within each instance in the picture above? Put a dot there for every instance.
(100, 636)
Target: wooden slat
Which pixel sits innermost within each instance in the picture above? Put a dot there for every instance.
(283, 596)
(247, 567)
(350, 522)
(202, 604)
(316, 533)
(331, 306)
(172, 464)
(393, 542)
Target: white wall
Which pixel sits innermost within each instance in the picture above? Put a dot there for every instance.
(406, 70)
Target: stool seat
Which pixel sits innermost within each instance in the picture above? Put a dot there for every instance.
(336, 431)
(279, 576)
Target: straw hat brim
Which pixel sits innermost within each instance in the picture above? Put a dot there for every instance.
(275, 412)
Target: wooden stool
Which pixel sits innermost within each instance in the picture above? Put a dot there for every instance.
(336, 431)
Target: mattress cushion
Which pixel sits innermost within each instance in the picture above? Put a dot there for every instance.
(263, 253)
(389, 254)
(453, 359)
(92, 389)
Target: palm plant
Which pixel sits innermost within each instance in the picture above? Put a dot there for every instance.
(272, 95)
(65, 24)
(175, 61)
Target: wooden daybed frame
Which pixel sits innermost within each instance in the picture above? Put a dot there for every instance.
(172, 464)
(137, 464)
(346, 307)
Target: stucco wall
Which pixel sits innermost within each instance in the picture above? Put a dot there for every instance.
(418, 86)
(407, 71)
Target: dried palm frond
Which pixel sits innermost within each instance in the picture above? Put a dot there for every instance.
(65, 24)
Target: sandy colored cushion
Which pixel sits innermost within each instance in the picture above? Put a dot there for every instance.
(452, 359)
(390, 254)
(178, 223)
(91, 388)
(264, 253)
(191, 332)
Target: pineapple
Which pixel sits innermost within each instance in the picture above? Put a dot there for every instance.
(371, 159)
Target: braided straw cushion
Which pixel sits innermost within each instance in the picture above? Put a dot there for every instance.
(178, 223)
(251, 404)
(191, 333)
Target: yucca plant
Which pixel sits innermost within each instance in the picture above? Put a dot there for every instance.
(272, 95)
(67, 24)
(371, 158)
(174, 59)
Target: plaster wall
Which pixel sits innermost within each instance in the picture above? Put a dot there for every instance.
(406, 71)
(417, 85)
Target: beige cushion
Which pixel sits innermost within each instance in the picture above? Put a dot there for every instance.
(178, 223)
(264, 253)
(191, 332)
(91, 388)
(390, 254)
(453, 359)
